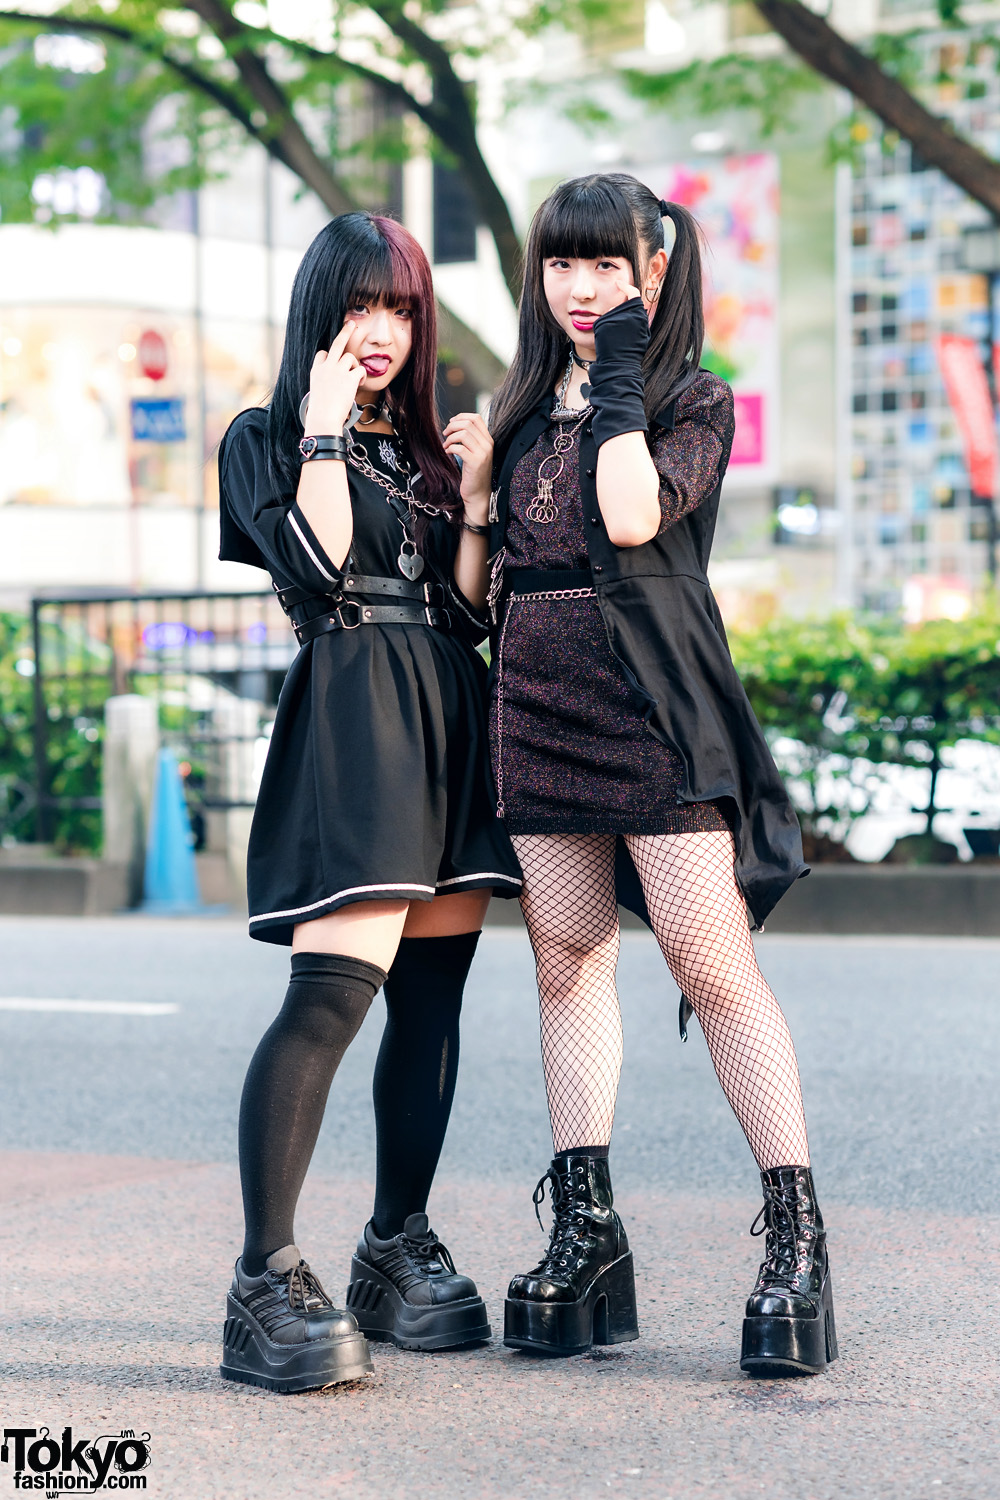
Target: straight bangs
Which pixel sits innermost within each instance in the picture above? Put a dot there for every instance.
(385, 278)
(585, 219)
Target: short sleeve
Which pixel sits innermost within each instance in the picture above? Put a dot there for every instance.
(688, 458)
(258, 524)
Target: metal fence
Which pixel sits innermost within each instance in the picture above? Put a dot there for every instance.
(214, 663)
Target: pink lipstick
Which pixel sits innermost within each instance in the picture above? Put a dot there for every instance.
(376, 365)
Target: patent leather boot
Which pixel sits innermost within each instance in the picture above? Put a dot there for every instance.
(789, 1326)
(582, 1292)
(283, 1332)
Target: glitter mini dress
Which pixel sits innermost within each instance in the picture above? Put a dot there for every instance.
(574, 754)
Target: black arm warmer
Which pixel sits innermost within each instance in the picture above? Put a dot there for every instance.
(616, 384)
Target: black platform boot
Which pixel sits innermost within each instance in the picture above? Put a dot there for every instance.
(789, 1327)
(407, 1290)
(283, 1332)
(583, 1290)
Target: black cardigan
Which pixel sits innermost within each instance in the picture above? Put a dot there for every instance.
(666, 632)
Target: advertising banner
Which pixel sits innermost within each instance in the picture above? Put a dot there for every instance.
(735, 200)
(969, 395)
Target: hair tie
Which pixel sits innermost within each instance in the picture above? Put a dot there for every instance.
(665, 208)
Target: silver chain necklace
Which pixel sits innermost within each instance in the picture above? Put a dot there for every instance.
(560, 411)
(409, 561)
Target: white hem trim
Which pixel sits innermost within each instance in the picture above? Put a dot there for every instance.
(358, 890)
(302, 538)
(354, 890)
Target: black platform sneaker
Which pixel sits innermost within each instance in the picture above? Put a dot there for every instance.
(582, 1292)
(407, 1290)
(283, 1332)
(789, 1327)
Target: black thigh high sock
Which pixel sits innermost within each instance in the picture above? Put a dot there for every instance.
(286, 1087)
(415, 1072)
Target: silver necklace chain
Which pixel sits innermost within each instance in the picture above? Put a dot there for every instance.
(358, 459)
(560, 411)
(409, 561)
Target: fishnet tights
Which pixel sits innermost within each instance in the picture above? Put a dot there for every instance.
(568, 901)
(700, 921)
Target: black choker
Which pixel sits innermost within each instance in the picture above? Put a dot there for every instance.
(377, 409)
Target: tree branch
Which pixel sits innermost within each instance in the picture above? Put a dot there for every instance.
(282, 137)
(456, 130)
(391, 87)
(271, 98)
(151, 47)
(835, 58)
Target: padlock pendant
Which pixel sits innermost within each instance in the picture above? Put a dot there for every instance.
(411, 564)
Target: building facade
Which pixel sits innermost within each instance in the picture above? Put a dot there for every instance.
(911, 518)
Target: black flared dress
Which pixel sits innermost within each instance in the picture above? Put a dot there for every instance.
(376, 784)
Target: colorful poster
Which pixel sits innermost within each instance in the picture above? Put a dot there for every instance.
(735, 200)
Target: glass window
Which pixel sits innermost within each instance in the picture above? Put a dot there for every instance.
(104, 407)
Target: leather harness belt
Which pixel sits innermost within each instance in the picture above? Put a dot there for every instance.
(319, 614)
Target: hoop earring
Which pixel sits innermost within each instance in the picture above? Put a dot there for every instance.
(652, 295)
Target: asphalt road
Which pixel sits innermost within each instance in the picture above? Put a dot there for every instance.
(119, 1221)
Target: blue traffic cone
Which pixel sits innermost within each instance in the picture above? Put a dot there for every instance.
(171, 883)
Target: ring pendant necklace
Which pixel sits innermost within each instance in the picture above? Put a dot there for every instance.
(543, 510)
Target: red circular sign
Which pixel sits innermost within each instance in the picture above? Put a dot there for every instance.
(153, 354)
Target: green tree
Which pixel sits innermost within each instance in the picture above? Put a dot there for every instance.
(232, 78)
(206, 76)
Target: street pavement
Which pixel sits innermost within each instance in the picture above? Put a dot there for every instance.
(119, 1222)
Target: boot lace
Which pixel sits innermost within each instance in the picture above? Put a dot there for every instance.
(305, 1290)
(565, 1239)
(780, 1266)
(428, 1255)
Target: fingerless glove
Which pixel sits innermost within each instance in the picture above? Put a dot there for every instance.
(616, 383)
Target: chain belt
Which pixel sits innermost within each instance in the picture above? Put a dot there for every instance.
(524, 586)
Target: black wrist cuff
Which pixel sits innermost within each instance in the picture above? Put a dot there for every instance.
(617, 388)
(328, 446)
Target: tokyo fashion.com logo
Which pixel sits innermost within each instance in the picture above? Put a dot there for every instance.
(41, 1462)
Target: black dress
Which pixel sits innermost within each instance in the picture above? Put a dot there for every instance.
(665, 632)
(376, 784)
(572, 752)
